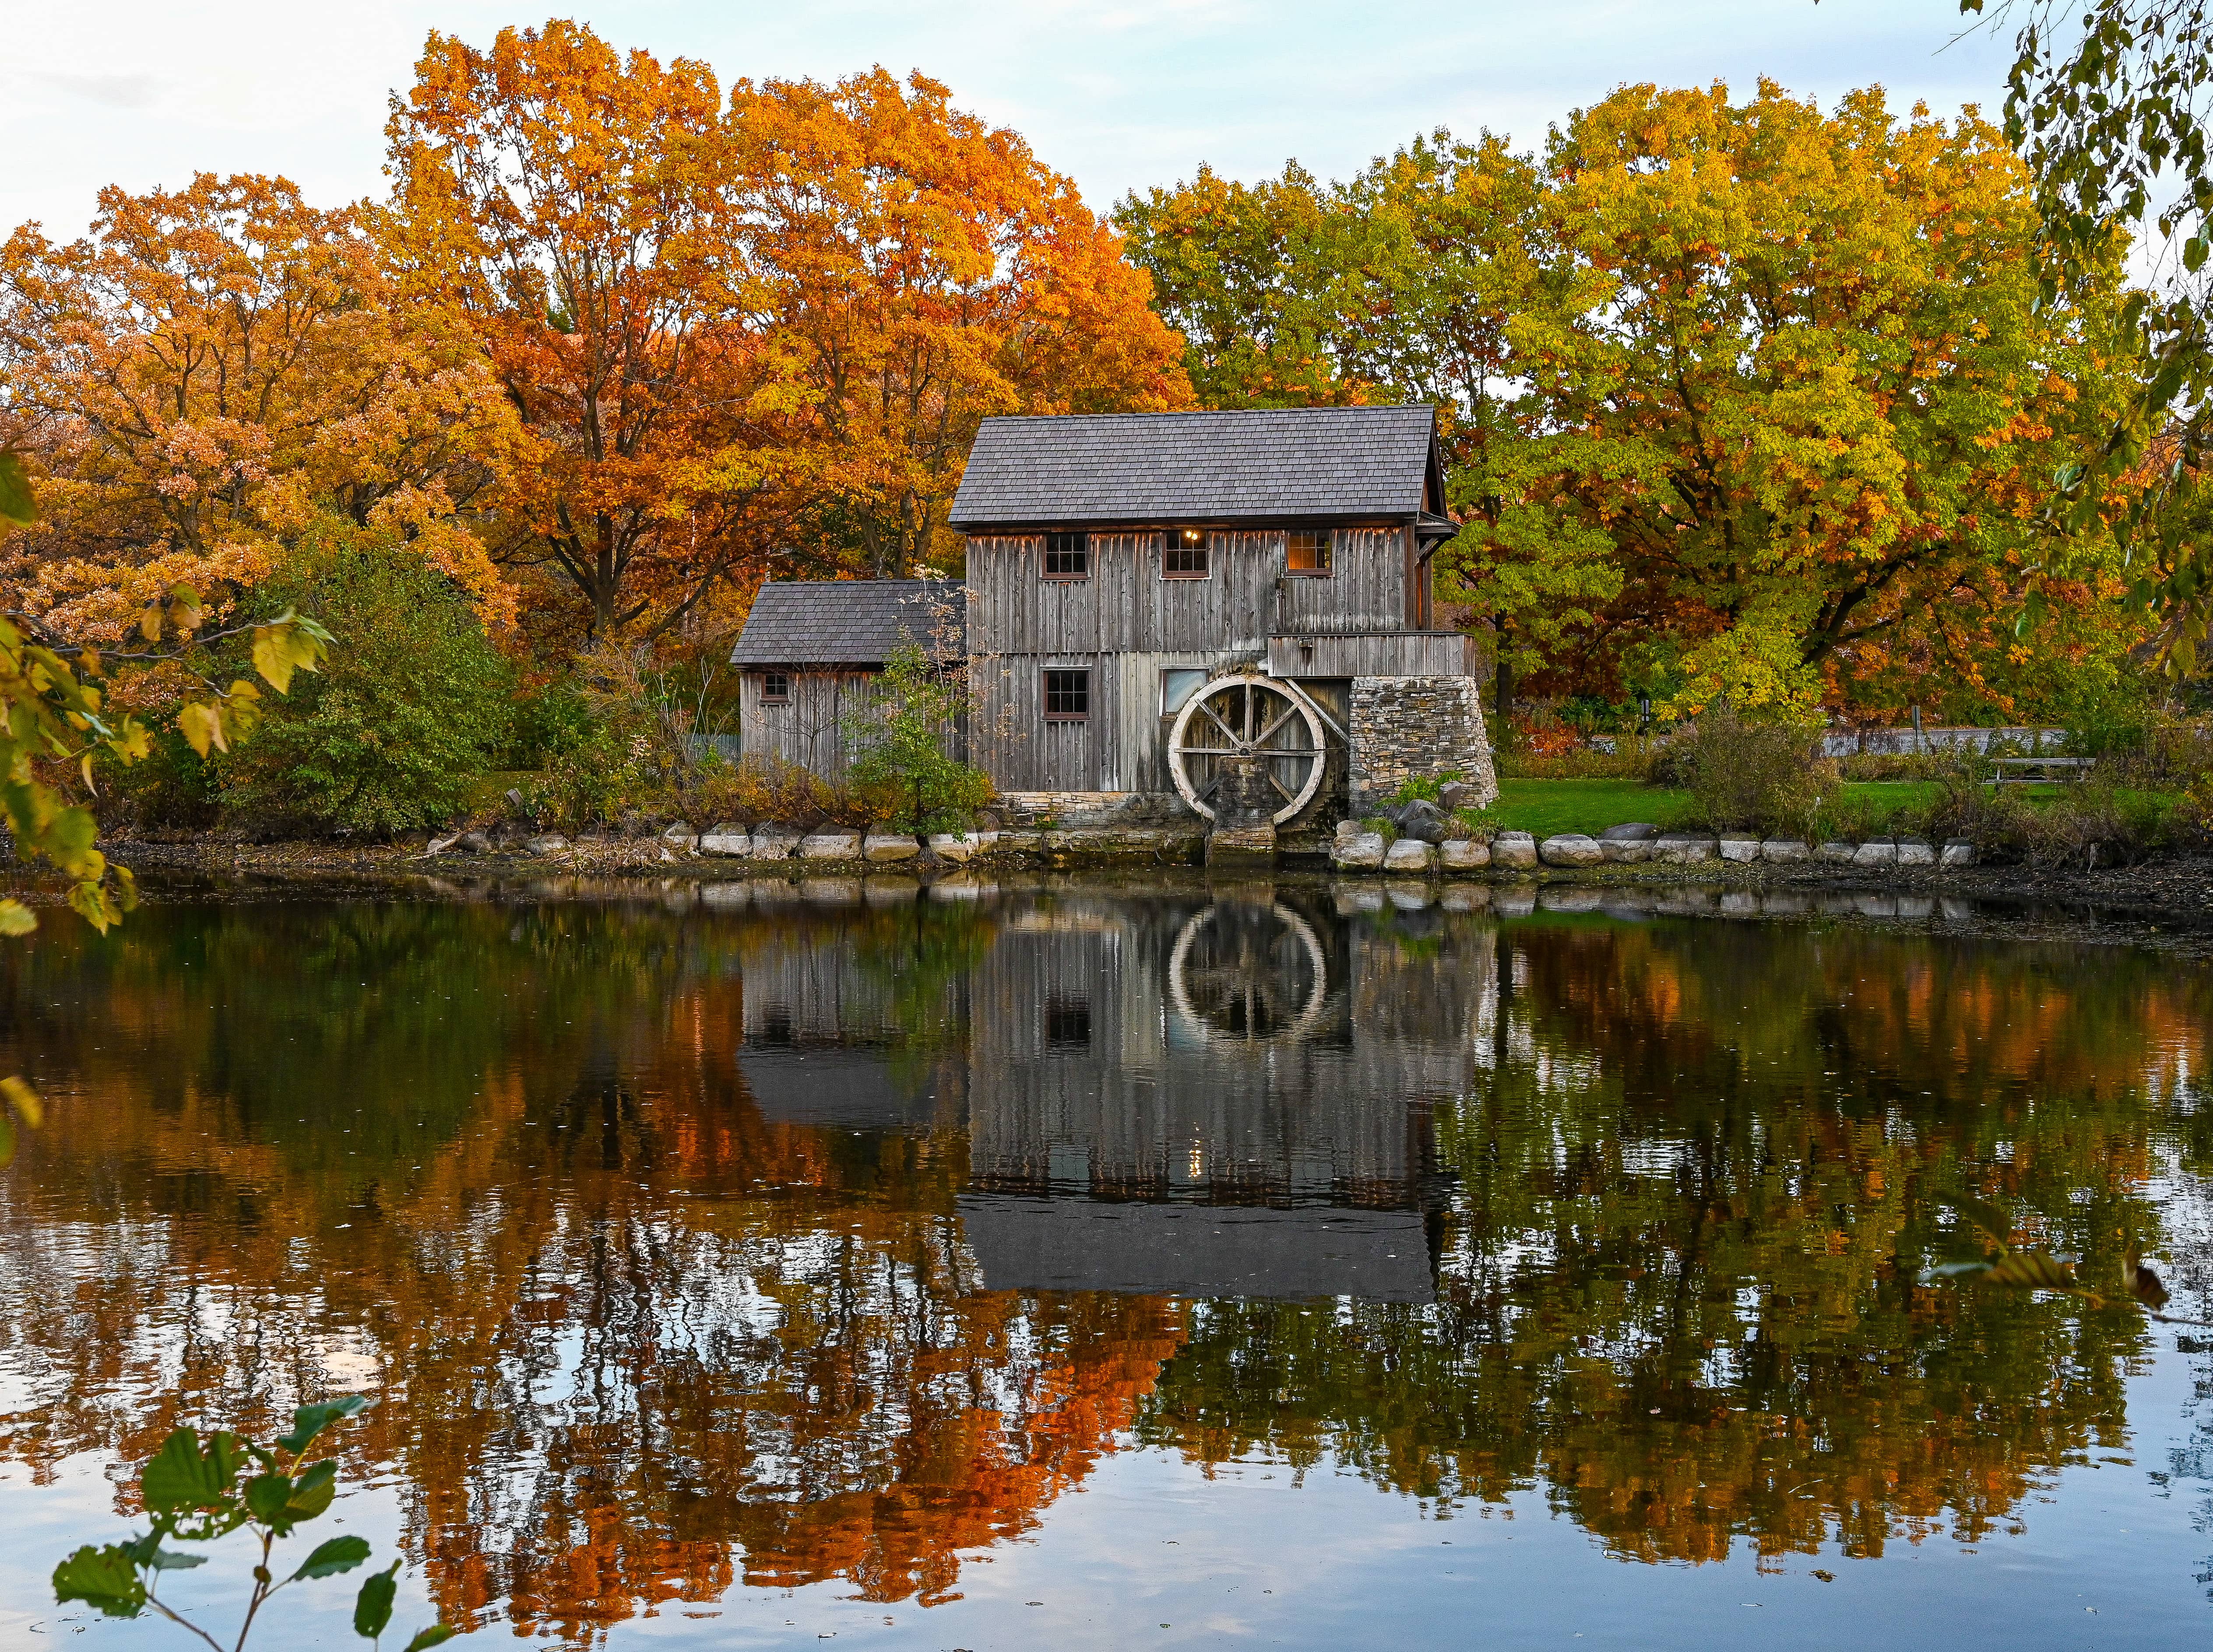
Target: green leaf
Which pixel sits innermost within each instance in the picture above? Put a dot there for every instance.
(311, 1420)
(372, 1610)
(313, 1491)
(2034, 1271)
(182, 1476)
(267, 1496)
(17, 504)
(147, 1551)
(101, 1577)
(340, 1554)
(437, 1634)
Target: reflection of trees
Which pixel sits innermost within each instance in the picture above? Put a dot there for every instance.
(634, 1339)
(639, 1341)
(1700, 1180)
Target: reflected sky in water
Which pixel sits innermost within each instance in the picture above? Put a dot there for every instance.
(1260, 1262)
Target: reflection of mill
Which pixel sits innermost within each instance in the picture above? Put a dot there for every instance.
(1183, 1098)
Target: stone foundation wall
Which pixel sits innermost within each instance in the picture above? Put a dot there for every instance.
(1403, 727)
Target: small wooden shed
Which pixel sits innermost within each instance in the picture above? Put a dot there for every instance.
(809, 650)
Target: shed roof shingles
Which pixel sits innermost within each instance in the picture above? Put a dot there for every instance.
(848, 622)
(1268, 462)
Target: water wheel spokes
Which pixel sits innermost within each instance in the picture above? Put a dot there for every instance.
(1246, 715)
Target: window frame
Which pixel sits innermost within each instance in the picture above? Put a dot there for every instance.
(773, 696)
(1326, 540)
(1168, 712)
(1045, 675)
(1057, 544)
(1169, 546)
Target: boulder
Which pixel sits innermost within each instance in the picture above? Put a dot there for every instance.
(1785, 851)
(679, 834)
(1630, 832)
(1836, 854)
(1740, 848)
(1409, 854)
(1458, 795)
(725, 837)
(1514, 849)
(1916, 854)
(1684, 851)
(1367, 849)
(1625, 851)
(957, 847)
(1420, 819)
(830, 846)
(1876, 851)
(550, 842)
(773, 844)
(1348, 829)
(1570, 848)
(1958, 851)
(887, 846)
(1463, 854)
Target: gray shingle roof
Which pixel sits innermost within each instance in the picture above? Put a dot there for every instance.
(847, 622)
(1276, 463)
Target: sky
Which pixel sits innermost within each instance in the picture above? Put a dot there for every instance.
(1120, 94)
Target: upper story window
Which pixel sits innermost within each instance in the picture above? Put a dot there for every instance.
(776, 688)
(1183, 554)
(1067, 555)
(1308, 552)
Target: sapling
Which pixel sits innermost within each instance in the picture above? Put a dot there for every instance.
(197, 1488)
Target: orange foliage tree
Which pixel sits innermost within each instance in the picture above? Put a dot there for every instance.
(914, 271)
(206, 371)
(566, 199)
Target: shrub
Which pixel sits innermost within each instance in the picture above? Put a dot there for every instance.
(902, 772)
(406, 714)
(1757, 776)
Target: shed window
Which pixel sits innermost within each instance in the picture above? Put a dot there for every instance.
(1067, 696)
(1068, 1022)
(1067, 555)
(1183, 554)
(1308, 552)
(776, 688)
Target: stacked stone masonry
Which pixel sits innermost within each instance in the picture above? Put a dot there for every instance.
(1416, 728)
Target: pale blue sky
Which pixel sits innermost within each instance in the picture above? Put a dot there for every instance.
(1119, 94)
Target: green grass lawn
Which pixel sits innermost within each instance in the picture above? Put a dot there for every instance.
(1546, 806)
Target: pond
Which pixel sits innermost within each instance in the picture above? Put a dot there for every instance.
(1079, 1264)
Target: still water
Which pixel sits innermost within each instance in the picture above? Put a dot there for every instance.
(1084, 1266)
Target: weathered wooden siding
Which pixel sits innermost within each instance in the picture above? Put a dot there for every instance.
(1127, 603)
(809, 730)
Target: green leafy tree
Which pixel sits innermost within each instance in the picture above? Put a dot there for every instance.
(392, 736)
(197, 1488)
(900, 767)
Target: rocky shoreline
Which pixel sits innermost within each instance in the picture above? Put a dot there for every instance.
(1356, 848)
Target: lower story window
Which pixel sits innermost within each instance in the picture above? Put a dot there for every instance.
(776, 688)
(1068, 695)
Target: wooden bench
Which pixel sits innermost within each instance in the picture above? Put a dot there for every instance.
(2024, 770)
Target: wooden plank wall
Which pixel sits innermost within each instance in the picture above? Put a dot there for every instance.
(1127, 603)
(809, 731)
(1126, 624)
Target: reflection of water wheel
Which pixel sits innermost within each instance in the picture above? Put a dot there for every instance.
(1248, 973)
(1247, 716)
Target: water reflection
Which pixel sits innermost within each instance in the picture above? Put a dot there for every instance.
(769, 1236)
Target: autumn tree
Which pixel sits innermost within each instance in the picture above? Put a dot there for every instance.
(914, 269)
(208, 370)
(1395, 286)
(1789, 374)
(563, 197)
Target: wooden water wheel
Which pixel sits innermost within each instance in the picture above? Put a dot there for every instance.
(1246, 973)
(1241, 717)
